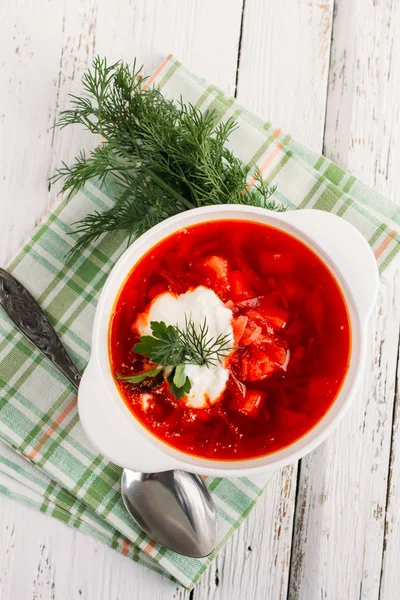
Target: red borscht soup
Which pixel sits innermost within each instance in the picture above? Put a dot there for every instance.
(289, 347)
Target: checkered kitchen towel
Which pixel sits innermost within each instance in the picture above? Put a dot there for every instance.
(45, 458)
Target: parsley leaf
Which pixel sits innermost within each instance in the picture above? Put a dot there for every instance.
(139, 376)
(179, 384)
(163, 347)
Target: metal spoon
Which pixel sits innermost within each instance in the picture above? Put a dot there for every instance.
(174, 508)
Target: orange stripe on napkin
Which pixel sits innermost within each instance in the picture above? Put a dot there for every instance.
(52, 428)
(382, 247)
(150, 80)
(265, 164)
(125, 547)
(149, 547)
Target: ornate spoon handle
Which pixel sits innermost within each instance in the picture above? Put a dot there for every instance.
(29, 318)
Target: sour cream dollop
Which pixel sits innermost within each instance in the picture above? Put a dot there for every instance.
(208, 383)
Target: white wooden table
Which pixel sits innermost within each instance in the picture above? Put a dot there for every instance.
(327, 71)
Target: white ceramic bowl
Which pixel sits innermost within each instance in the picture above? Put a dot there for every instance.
(119, 436)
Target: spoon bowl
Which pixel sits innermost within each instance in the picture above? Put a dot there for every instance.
(174, 507)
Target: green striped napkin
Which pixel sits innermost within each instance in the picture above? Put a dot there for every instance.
(45, 458)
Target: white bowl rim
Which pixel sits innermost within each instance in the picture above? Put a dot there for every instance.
(359, 292)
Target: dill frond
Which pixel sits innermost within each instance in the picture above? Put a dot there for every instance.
(166, 156)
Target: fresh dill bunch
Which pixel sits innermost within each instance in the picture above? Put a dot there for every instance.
(162, 157)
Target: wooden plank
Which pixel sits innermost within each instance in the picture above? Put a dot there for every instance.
(288, 88)
(390, 573)
(30, 53)
(340, 516)
(284, 63)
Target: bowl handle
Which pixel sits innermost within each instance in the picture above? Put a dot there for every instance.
(109, 429)
(347, 248)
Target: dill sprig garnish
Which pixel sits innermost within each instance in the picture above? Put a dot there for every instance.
(200, 348)
(163, 157)
(173, 347)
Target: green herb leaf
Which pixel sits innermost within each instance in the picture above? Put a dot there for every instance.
(157, 157)
(140, 376)
(179, 390)
(163, 347)
(179, 376)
